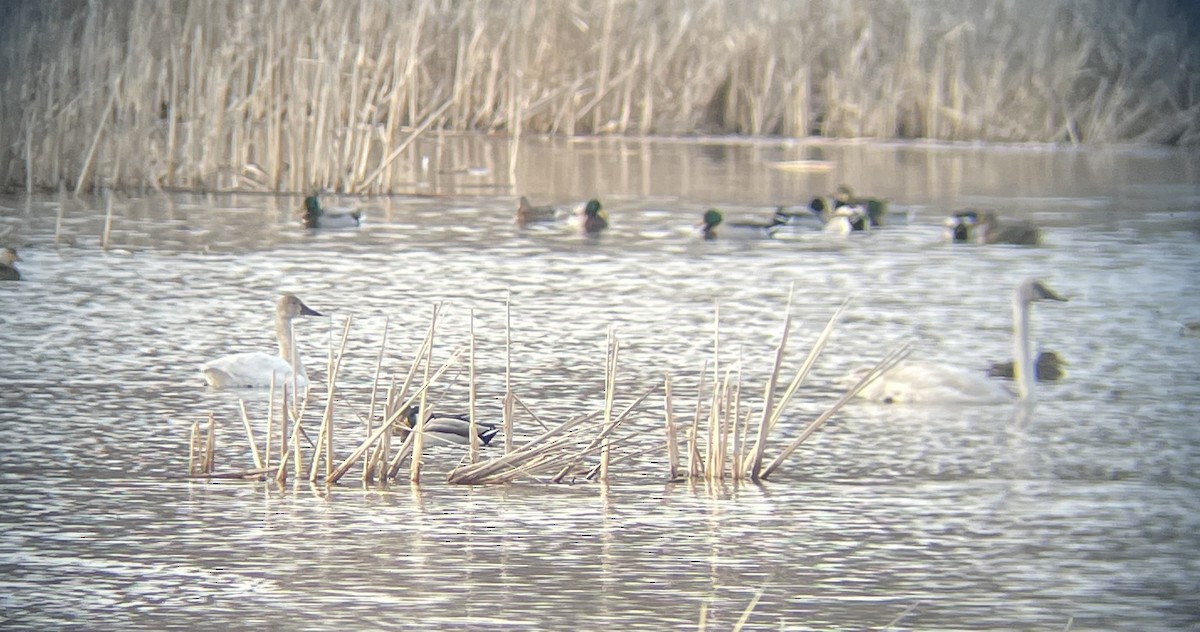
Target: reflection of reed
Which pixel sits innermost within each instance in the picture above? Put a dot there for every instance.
(292, 96)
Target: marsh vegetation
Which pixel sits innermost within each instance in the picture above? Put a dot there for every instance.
(285, 96)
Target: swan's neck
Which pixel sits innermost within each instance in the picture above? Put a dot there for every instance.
(1022, 362)
(287, 349)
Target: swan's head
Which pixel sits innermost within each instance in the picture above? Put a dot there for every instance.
(289, 306)
(1031, 290)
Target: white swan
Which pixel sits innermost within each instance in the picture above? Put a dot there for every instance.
(255, 368)
(931, 382)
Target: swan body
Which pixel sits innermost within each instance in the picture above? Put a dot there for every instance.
(913, 382)
(316, 216)
(743, 230)
(256, 369)
(8, 271)
(928, 382)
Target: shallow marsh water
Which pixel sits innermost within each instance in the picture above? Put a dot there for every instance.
(1086, 508)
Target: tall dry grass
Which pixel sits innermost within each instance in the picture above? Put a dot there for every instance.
(226, 94)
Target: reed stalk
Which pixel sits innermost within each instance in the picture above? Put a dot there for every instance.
(108, 216)
(753, 468)
(193, 448)
(890, 360)
(210, 445)
(270, 423)
(506, 414)
(258, 462)
(333, 93)
(672, 440)
(472, 429)
(325, 434)
(419, 426)
(741, 622)
(368, 457)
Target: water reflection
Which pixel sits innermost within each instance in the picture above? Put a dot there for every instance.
(985, 517)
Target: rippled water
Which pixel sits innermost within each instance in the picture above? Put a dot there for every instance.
(1086, 510)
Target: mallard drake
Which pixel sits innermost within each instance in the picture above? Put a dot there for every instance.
(593, 219)
(744, 230)
(1048, 368)
(989, 230)
(256, 368)
(873, 209)
(9, 271)
(930, 382)
(317, 217)
(528, 214)
(452, 429)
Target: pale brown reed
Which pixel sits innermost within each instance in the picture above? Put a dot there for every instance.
(287, 96)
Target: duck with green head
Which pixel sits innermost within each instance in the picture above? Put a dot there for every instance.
(447, 429)
(8, 271)
(593, 220)
(315, 216)
(743, 230)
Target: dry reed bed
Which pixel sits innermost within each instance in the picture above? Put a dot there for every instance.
(726, 439)
(288, 96)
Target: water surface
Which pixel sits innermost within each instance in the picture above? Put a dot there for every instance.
(966, 517)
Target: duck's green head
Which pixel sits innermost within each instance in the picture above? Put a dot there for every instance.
(712, 217)
(593, 209)
(312, 205)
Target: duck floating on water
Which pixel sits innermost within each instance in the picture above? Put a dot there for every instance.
(528, 214)
(842, 213)
(985, 227)
(316, 216)
(447, 429)
(9, 271)
(593, 219)
(911, 381)
(255, 369)
(742, 230)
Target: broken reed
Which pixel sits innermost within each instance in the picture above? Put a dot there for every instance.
(284, 96)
